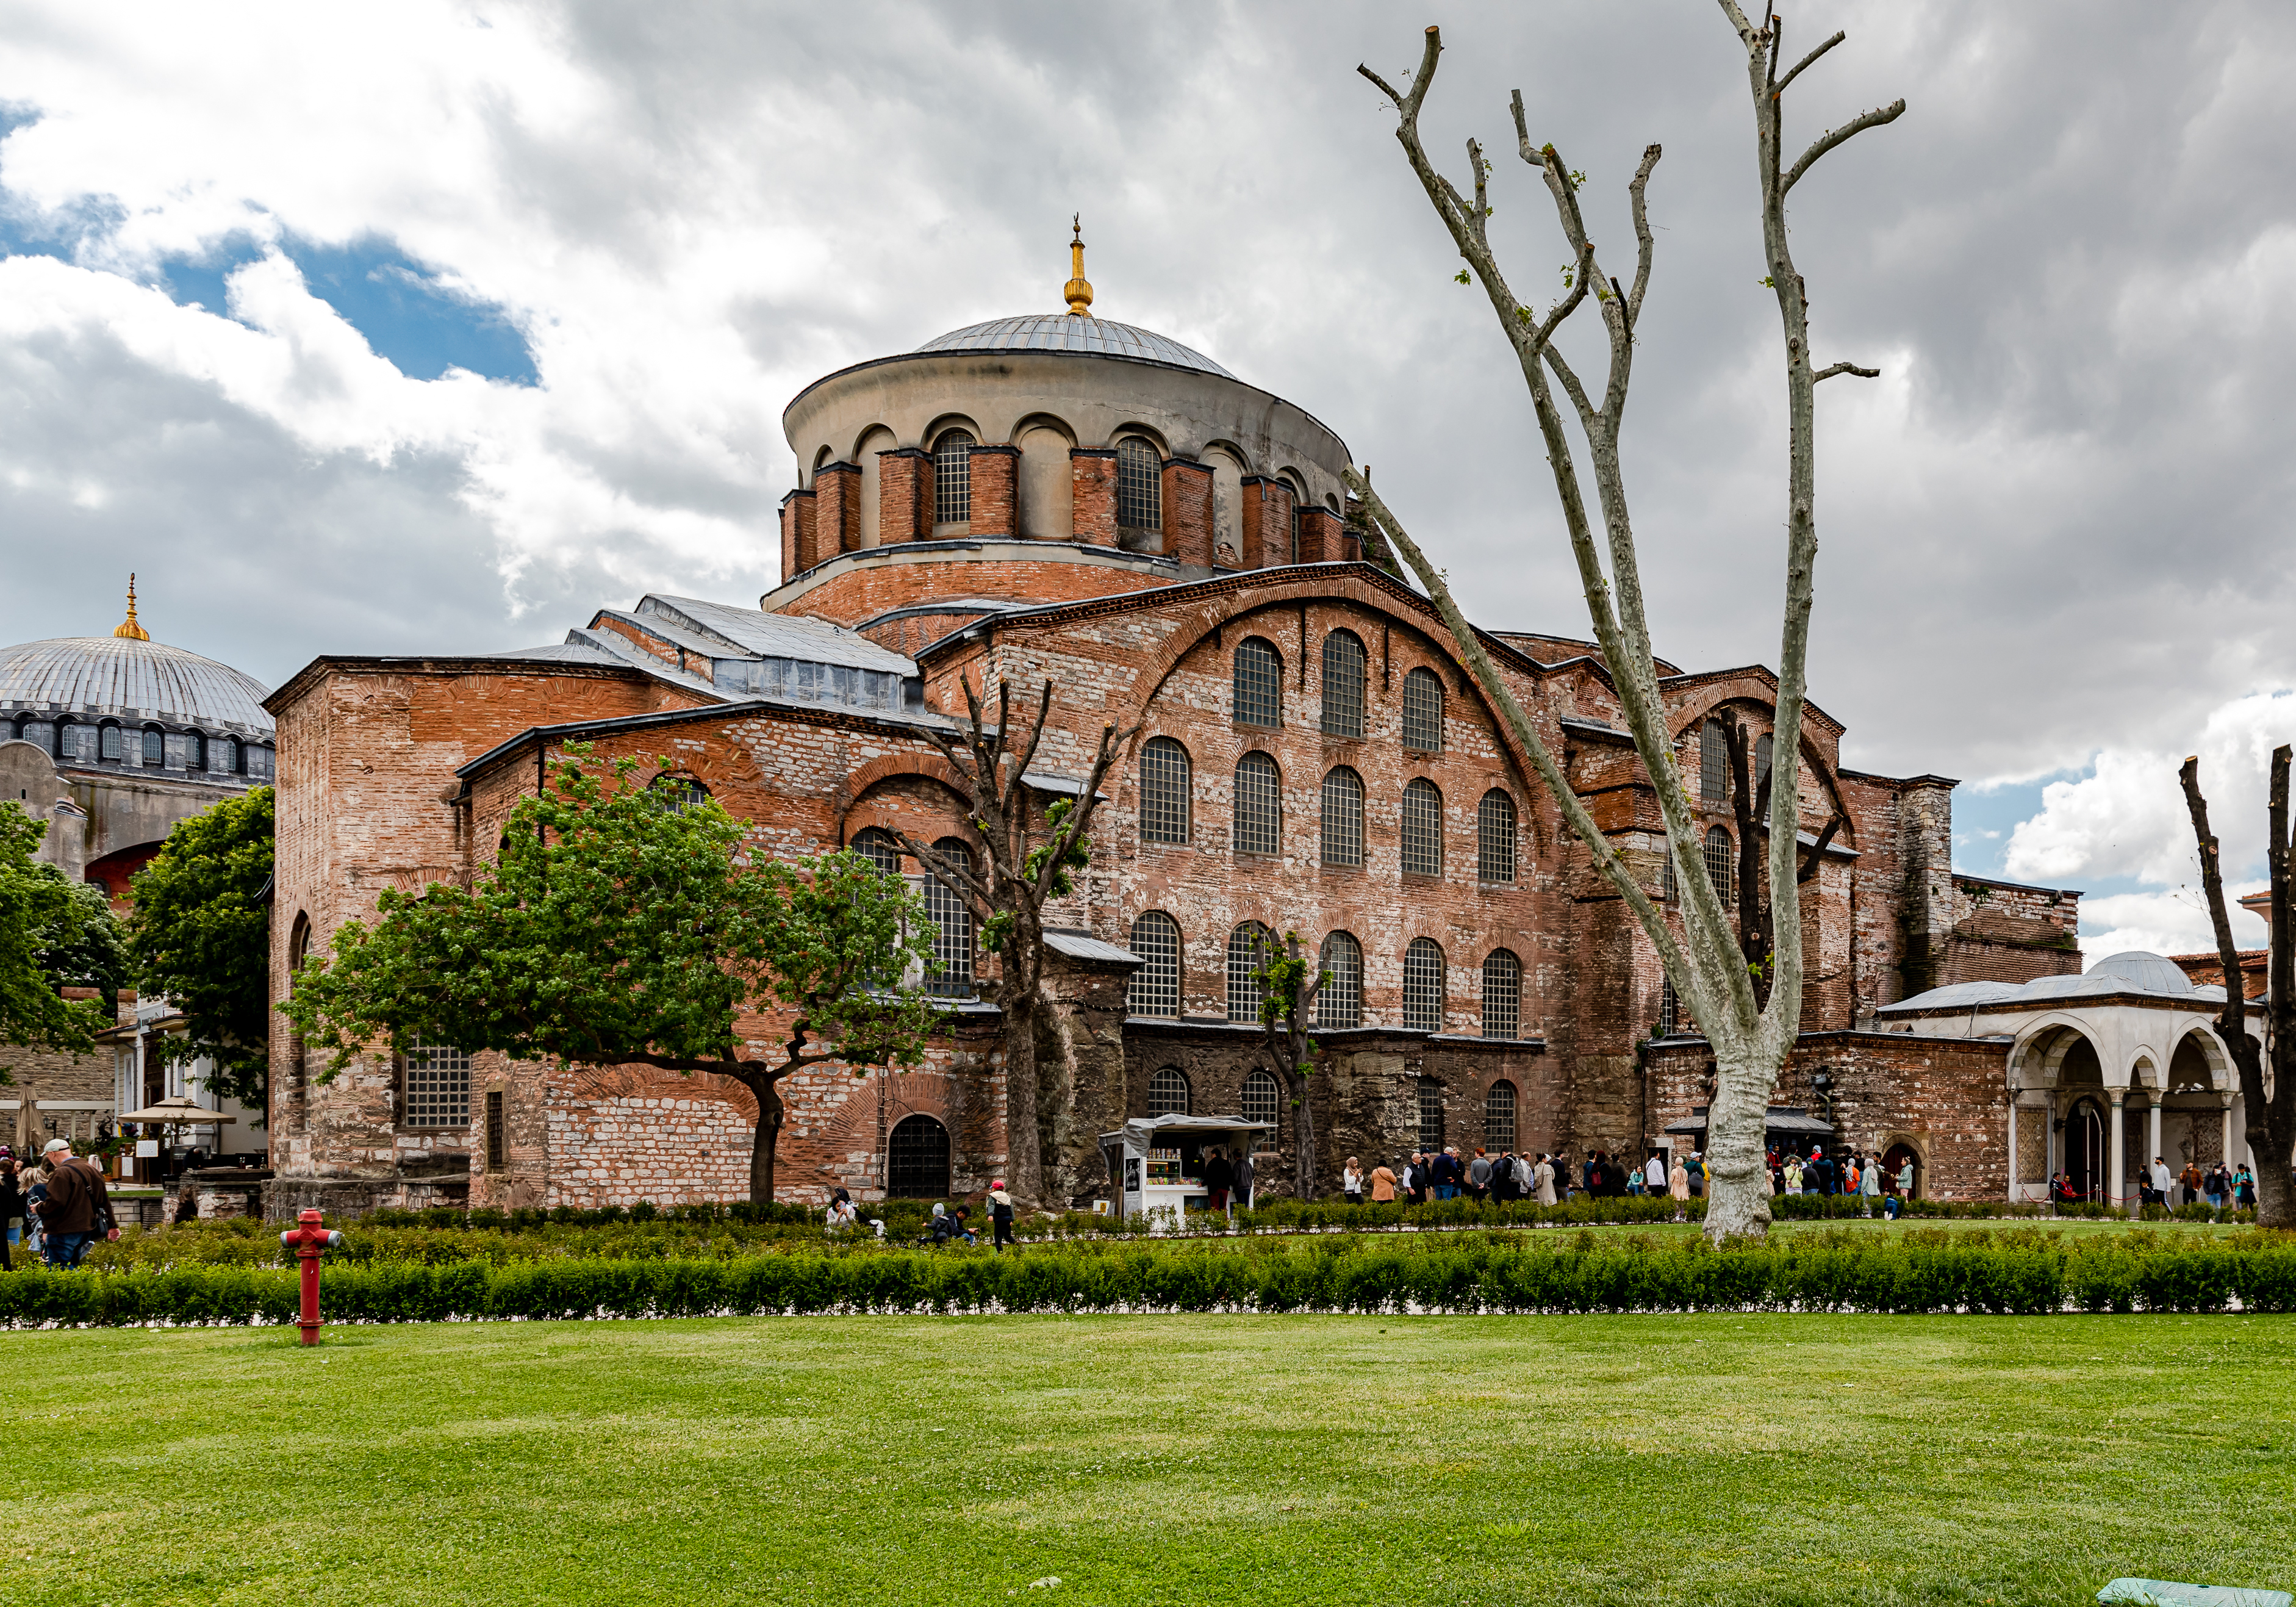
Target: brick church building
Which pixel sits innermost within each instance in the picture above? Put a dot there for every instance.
(1067, 497)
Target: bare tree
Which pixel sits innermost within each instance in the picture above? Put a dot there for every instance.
(2268, 1077)
(1033, 852)
(1750, 1038)
(1289, 987)
(1750, 804)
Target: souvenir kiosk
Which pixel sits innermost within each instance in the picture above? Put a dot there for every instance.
(1156, 1163)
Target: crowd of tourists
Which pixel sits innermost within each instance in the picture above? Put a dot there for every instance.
(54, 1207)
(2215, 1186)
(1548, 1178)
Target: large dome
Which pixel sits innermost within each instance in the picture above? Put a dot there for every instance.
(135, 679)
(1087, 336)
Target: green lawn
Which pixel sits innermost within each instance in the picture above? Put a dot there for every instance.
(1163, 1461)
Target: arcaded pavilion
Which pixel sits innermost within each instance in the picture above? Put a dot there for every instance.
(1058, 495)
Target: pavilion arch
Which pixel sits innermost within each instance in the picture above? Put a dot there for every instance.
(2201, 1043)
(2037, 1059)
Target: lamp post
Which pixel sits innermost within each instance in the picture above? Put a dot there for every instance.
(310, 1242)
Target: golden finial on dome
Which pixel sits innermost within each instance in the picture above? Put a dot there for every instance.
(1078, 288)
(127, 626)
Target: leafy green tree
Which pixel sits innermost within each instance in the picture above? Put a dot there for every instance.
(45, 921)
(1288, 988)
(621, 925)
(200, 937)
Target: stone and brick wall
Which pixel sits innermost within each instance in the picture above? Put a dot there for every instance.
(1188, 513)
(2006, 932)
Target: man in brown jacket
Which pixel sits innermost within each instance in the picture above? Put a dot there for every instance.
(78, 1207)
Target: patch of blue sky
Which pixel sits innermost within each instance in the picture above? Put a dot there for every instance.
(1984, 816)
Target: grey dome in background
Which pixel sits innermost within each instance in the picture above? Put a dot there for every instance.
(2144, 970)
(1087, 336)
(96, 675)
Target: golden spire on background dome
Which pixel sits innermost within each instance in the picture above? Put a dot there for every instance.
(127, 626)
(1078, 288)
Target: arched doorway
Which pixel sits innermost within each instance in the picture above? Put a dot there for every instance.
(2087, 1151)
(916, 1162)
(1893, 1165)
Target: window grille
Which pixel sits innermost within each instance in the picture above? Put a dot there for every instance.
(1422, 828)
(496, 1145)
(1502, 995)
(1498, 1118)
(1258, 805)
(435, 1089)
(677, 794)
(1721, 864)
(1244, 958)
(40, 733)
(1495, 837)
(952, 478)
(155, 749)
(79, 743)
(1762, 751)
(1155, 987)
(916, 1159)
(1139, 485)
(115, 742)
(1341, 1002)
(1163, 791)
(1713, 764)
(1344, 676)
(1343, 818)
(1263, 1101)
(1431, 1114)
(1669, 1008)
(1422, 711)
(223, 755)
(1670, 882)
(880, 848)
(1258, 682)
(952, 921)
(1167, 1093)
(1422, 986)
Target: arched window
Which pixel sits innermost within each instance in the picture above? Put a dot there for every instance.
(114, 743)
(1422, 986)
(1713, 764)
(1341, 1002)
(155, 747)
(1422, 828)
(75, 742)
(1498, 1117)
(1431, 1114)
(1155, 987)
(1167, 1093)
(1762, 752)
(1258, 805)
(1263, 1101)
(1495, 837)
(916, 1159)
(183, 750)
(1422, 711)
(1669, 1008)
(1245, 956)
(952, 478)
(880, 848)
(952, 921)
(1721, 864)
(223, 754)
(1343, 818)
(1344, 662)
(1258, 682)
(678, 793)
(1139, 485)
(1163, 791)
(1502, 995)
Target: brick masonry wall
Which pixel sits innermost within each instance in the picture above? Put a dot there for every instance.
(904, 476)
(1188, 513)
(836, 509)
(995, 506)
(1947, 1098)
(800, 549)
(2004, 932)
(1092, 515)
(864, 594)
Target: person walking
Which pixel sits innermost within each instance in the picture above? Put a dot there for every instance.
(2243, 1188)
(1382, 1184)
(1220, 1176)
(1526, 1177)
(1677, 1184)
(1000, 1213)
(2162, 1182)
(2190, 1179)
(1870, 1183)
(2217, 1185)
(1449, 1175)
(1240, 1171)
(1905, 1194)
(1542, 1180)
(76, 1208)
(1653, 1175)
(12, 1206)
(1351, 1181)
(1479, 1176)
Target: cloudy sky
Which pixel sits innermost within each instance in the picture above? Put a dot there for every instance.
(435, 326)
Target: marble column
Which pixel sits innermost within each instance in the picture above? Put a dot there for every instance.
(2116, 1175)
(2226, 1101)
(2152, 1146)
(2012, 1146)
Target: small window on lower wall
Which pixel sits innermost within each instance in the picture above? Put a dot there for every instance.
(1263, 1101)
(494, 1141)
(1502, 995)
(1498, 1117)
(1431, 1114)
(435, 1088)
(1167, 1093)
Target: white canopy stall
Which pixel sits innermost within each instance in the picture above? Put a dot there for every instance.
(1156, 1163)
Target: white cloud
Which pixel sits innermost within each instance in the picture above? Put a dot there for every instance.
(2172, 922)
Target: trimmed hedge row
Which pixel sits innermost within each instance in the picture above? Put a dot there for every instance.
(2019, 1271)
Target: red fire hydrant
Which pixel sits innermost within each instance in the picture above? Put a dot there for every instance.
(310, 1242)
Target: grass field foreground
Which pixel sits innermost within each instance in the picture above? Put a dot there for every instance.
(1155, 1462)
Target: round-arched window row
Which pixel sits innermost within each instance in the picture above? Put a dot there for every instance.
(151, 746)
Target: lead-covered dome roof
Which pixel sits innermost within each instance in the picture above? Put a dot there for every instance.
(92, 676)
(1085, 336)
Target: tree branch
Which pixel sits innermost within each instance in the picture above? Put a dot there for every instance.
(1826, 142)
(1863, 374)
(1781, 88)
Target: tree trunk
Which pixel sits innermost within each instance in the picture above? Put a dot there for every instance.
(1024, 1165)
(1737, 1170)
(765, 1139)
(1303, 1134)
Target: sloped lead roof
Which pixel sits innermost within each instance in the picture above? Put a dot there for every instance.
(1088, 337)
(2134, 971)
(773, 636)
(121, 676)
